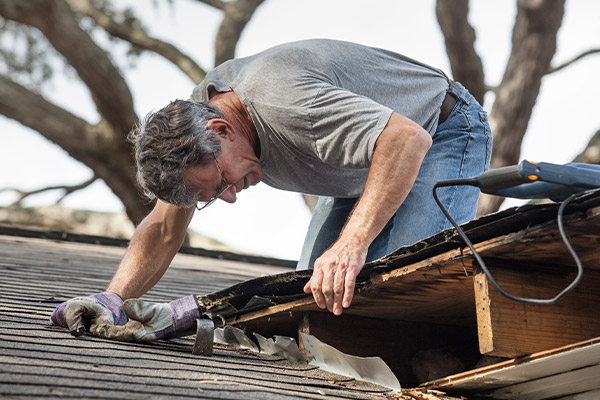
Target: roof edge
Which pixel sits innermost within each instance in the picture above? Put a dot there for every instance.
(64, 236)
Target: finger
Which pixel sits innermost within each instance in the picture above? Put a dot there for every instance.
(107, 331)
(72, 316)
(57, 318)
(307, 287)
(133, 331)
(327, 288)
(315, 287)
(139, 310)
(350, 283)
(319, 298)
(338, 291)
(85, 311)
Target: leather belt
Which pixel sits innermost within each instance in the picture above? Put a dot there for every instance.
(448, 103)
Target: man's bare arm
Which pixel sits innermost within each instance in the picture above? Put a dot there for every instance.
(397, 158)
(151, 250)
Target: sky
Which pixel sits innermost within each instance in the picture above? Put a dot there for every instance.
(272, 222)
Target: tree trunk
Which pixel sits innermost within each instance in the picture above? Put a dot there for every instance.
(459, 36)
(57, 22)
(533, 46)
(102, 147)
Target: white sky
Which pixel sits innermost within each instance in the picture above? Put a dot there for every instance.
(272, 222)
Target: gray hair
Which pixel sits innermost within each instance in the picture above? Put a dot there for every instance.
(168, 141)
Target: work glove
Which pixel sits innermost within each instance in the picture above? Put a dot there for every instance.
(152, 321)
(104, 308)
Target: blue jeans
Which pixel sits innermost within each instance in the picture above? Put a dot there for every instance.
(461, 148)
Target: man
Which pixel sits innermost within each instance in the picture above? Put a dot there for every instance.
(368, 130)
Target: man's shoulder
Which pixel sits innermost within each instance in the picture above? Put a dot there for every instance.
(318, 45)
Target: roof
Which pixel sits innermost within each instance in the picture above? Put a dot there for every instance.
(430, 296)
(38, 361)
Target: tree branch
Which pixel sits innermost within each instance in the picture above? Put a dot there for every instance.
(53, 122)
(459, 36)
(99, 147)
(139, 38)
(573, 60)
(237, 15)
(68, 189)
(215, 3)
(57, 22)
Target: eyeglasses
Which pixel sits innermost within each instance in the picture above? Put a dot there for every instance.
(223, 187)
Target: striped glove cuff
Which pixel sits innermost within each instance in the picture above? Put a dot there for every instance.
(184, 311)
(114, 303)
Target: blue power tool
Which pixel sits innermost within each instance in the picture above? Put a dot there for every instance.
(530, 180)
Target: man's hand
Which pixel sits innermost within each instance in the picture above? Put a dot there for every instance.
(334, 276)
(103, 308)
(152, 321)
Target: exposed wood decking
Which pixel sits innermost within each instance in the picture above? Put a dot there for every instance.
(432, 295)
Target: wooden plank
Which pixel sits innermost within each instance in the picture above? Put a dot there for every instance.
(440, 290)
(281, 319)
(567, 383)
(507, 328)
(543, 244)
(523, 369)
(438, 293)
(435, 290)
(396, 342)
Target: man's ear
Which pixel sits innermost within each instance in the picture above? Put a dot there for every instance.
(221, 127)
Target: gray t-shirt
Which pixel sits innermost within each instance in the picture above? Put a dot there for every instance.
(320, 105)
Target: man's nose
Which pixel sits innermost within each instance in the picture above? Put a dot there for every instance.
(229, 195)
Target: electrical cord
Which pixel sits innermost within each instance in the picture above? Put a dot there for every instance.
(475, 182)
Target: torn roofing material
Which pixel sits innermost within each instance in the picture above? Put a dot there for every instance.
(370, 369)
(267, 291)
